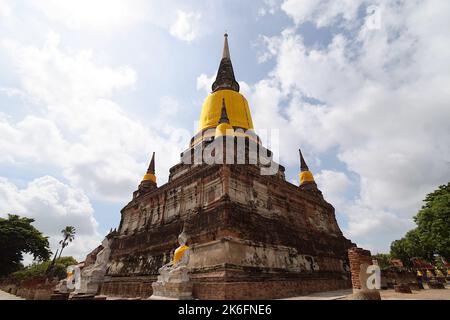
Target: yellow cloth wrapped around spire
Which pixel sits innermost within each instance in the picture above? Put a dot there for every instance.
(149, 177)
(306, 176)
(237, 109)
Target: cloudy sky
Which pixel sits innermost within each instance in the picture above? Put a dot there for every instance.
(89, 89)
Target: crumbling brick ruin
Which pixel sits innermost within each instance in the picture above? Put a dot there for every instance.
(252, 236)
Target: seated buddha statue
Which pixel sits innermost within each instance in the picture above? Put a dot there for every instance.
(177, 268)
(173, 280)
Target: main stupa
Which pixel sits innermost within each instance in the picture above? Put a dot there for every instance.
(253, 234)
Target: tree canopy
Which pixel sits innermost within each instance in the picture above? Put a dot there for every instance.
(38, 270)
(433, 222)
(19, 236)
(431, 237)
(384, 260)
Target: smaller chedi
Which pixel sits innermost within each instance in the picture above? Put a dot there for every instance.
(173, 280)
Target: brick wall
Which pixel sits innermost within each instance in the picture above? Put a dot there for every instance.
(265, 290)
(34, 289)
(357, 257)
(127, 289)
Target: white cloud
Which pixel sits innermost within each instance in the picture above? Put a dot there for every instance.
(269, 7)
(379, 97)
(11, 92)
(205, 83)
(322, 12)
(108, 16)
(53, 205)
(186, 26)
(5, 9)
(269, 47)
(32, 139)
(45, 67)
(78, 128)
(333, 184)
(93, 14)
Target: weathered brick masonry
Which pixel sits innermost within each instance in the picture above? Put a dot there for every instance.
(357, 257)
(253, 236)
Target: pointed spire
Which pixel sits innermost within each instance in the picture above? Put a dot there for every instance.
(150, 175)
(306, 177)
(225, 76)
(226, 49)
(224, 116)
(303, 165)
(151, 168)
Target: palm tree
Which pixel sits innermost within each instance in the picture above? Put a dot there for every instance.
(68, 236)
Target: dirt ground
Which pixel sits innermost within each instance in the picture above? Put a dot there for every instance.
(426, 294)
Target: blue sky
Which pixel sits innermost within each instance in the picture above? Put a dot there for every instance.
(88, 89)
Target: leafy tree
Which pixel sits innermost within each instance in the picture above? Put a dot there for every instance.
(39, 270)
(19, 236)
(68, 236)
(432, 235)
(399, 251)
(433, 223)
(384, 260)
(439, 262)
(410, 246)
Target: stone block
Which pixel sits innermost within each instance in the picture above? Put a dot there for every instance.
(415, 286)
(436, 285)
(82, 297)
(178, 291)
(402, 288)
(365, 295)
(60, 296)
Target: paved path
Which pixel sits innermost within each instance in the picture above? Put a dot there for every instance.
(6, 296)
(329, 295)
(427, 294)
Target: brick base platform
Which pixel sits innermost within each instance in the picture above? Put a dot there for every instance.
(265, 290)
(128, 287)
(211, 286)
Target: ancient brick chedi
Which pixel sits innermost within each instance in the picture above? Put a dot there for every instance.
(252, 235)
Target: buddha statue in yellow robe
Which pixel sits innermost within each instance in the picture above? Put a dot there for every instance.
(181, 255)
(173, 281)
(177, 268)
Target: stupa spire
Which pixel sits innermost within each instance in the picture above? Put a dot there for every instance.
(306, 177)
(151, 167)
(150, 175)
(303, 165)
(226, 48)
(225, 76)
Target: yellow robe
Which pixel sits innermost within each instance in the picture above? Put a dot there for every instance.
(179, 253)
